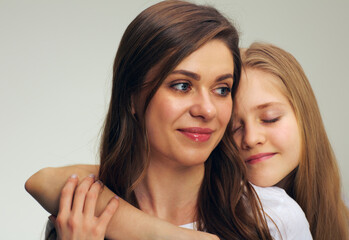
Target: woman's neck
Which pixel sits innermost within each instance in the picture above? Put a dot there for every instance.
(170, 193)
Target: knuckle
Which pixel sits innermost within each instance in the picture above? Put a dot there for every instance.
(60, 221)
(72, 223)
(97, 231)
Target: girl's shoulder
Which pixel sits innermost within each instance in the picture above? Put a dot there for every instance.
(286, 219)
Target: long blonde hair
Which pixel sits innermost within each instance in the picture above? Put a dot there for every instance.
(315, 184)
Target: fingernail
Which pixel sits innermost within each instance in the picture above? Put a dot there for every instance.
(116, 197)
(74, 176)
(99, 182)
(92, 176)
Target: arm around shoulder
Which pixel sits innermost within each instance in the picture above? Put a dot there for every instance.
(127, 223)
(46, 184)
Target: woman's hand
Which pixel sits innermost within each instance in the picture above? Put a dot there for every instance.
(76, 217)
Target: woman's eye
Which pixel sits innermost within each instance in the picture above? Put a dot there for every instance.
(184, 87)
(223, 91)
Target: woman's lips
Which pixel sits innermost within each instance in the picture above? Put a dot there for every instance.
(259, 157)
(197, 134)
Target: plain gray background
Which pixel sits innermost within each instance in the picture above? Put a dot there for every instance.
(55, 74)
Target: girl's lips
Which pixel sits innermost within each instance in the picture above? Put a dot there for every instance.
(259, 157)
(197, 134)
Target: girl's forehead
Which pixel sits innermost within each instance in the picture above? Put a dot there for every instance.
(258, 87)
(261, 81)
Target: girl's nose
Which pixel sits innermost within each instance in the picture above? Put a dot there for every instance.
(253, 135)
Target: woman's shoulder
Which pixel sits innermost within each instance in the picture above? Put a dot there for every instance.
(284, 216)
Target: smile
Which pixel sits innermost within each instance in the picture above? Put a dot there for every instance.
(259, 157)
(197, 134)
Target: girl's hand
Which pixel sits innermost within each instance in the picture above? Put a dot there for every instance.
(76, 217)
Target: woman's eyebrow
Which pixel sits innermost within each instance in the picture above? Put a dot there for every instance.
(196, 76)
(225, 76)
(187, 73)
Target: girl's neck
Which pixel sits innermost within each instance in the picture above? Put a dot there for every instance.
(170, 193)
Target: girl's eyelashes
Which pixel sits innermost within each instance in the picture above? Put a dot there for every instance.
(264, 121)
(272, 120)
(271, 116)
(235, 129)
(237, 126)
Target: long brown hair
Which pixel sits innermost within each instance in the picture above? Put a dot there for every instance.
(315, 184)
(158, 39)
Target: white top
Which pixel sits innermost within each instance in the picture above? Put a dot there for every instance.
(288, 219)
(285, 212)
(189, 226)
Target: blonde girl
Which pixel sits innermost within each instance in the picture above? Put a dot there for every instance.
(282, 139)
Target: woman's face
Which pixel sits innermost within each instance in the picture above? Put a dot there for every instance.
(188, 115)
(265, 128)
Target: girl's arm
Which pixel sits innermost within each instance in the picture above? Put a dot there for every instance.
(127, 223)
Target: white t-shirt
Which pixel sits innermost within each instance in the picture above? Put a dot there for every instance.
(288, 219)
(286, 214)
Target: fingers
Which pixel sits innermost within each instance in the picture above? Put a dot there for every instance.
(91, 198)
(67, 193)
(80, 194)
(76, 217)
(108, 212)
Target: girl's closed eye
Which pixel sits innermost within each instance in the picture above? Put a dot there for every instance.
(237, 128)
(270, 120)
(271, 116)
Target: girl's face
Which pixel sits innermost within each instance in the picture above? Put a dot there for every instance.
(188, 115)
(265, 128)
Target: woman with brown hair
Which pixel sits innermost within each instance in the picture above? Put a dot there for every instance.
(164, 146)
(282, 139)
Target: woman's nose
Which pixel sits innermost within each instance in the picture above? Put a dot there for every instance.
(203, 107)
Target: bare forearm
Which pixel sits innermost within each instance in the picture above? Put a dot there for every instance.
(46, 185)
(131, 223)
(127, 223)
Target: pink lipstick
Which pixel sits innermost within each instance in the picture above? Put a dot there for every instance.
(197, 134)
(259, 157)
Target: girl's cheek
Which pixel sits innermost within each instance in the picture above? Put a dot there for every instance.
(284, 133)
